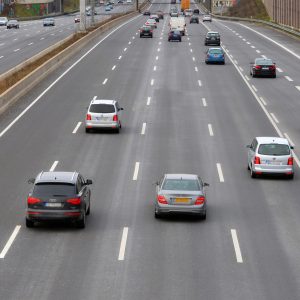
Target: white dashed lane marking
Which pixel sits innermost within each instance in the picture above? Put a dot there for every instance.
(199, 83)
(211, 133)
(236, 246)
(204, 102)
(288, 78)
(76, 128)
(120, 57)
(10, 241)
(254, 88)
(274, 117)
(104, 82)
(220, 172)
(136, 171)
(148, 101)
(143, 129)
(263, 101)
(123, 244)
(113, 67)
(54, 165)
(152, 82)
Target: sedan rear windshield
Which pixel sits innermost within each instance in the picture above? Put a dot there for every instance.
(213, 34)
(102, 108)
(274, 149)
(265, 62)
(215, 51)
(54, 189)
(181, 185)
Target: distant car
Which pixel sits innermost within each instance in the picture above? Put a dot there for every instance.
(207, 18)
(160, 14)
(194, 19)
(128, 1)
(174, 14)
(103, 114)
(263, 67)
(77, 19)
(151, 23)
(196, 11)
(3, 21)
(155, 17)
(174, 35)
(49, 22)
(12, 24)
(120, 2)
(180, 194)
(270, 155)
(188, 12)
(107, 8)
(58, 196)
(101, 2)
(146, 13)
(173, 1)
(212, 38)
(215, 55)
(146, 31)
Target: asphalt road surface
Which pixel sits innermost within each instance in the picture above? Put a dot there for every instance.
(180, 115)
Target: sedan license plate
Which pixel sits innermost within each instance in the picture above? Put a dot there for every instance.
(271, 162)
(265, 68)
(182, 200)
(53, 204)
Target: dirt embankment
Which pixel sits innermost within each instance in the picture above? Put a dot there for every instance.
(249, 9)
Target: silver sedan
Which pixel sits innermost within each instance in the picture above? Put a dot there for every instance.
(180, 193)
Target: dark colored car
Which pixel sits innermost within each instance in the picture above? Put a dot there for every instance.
(154, 17)
(174, 35)
(160, 14)
(58, 196)
(194, 19)
(263, 67)
(12, 24)
(146, 31)
(212, 38)
(196, 11)
(77, 19)
(147, 13)
(173, 1)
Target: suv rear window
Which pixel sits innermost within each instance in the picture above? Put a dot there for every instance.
(274, 149)
(102, 108)
(181, 184)
(54, 189)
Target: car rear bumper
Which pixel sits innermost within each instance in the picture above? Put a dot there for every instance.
(212, 60)
(265, 73)
(214, 42)
(181, 209)
(53, 215)
(267, 169)
(113, 125)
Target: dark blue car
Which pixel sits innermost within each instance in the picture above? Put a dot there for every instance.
(174, 35)
(215, 55)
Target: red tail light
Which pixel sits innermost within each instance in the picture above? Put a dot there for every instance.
(272, 67)
(256, 160)
(290, 161)
(200, 200)
(74, 201)
(32, 200)
(257, 67)
(115, 118)
(88, 117)
(161, 199)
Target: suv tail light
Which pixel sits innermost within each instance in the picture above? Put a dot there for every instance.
(115, 118)
(290, 161)
(256, 160)
(74, 201)
(200, 200)
(32, 200)
(88, 117)
(161, 199)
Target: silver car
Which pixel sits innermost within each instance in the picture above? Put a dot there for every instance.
(103, 114)
(207, 18)
(49, 22)
(3, 21)
(270, 155)
(180, 193)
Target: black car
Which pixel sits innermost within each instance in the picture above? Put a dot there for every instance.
(212, 38)
(58, 196)
(12, 24)
(263, 67)
(146, 31)
(196, 11)
(194, 19)
(174, 35)
(146, 13)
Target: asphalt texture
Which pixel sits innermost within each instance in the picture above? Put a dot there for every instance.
(168, 86)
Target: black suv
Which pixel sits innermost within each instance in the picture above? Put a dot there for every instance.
(58, 196)
(212, 38)
(146, 31)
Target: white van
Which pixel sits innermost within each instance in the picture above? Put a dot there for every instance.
(179, 24)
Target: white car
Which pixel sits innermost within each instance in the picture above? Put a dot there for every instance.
(151, 23)
(3, 21)
(207, 18)
(128, 1)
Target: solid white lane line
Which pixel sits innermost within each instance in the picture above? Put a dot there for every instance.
(10, 241)
(196, 69)
(274, 117)
(76, 128)
(254, 88)
(288, 78)
(125, 49)
(199, 83)
(231, 55)
(263, 101)
(156, 57)
(120, 57)
(113, 67)
(211, 132)
(154, 68)
(148, 101)
(219, 168)
(236, 246)
(152, 81)
(204, 102)
(279, 70)
(289, 139)
(123, 244)
(242, 70)
(247, 77)
(297, 87)
(105, 80)
(193, 58)
(53, 166)
(143, 129)
(136, 171)
(236, 62)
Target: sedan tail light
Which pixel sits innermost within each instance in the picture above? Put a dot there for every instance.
(290, 161)
(74, 201)
(88, 117)
(32, 200)
(200, 200)
(257, 67)
(256, 160)
(115, 118)
(161, 199)
(272, 67)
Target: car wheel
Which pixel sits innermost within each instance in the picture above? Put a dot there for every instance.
(157, 215)
(81, 223)
(89, 209)
(117, 130)
(29, 223)
(87, 130)
(203, 216)
(253, 175)
(253, 75)
(248, 168)
(274, 76)
(291, 176)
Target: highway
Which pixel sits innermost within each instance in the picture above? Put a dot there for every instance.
(180, 116)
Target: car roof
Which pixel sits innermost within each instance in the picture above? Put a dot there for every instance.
(103, 101)
(271, 140)
(215, 48)
(181, 176)
(213, 32)
(57, 176)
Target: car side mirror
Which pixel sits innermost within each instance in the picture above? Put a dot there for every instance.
(205, 184)
(292, 147)
(248, 146)
(89, 181)
(155, 183)
(31, 180)
(121, 108)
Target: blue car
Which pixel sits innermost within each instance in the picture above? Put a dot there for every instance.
(174, 35)
(215, 55)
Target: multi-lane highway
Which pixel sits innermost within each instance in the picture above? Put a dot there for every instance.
(180, 116)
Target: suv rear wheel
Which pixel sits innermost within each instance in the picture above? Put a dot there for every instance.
(81, 223)
(29, 223)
